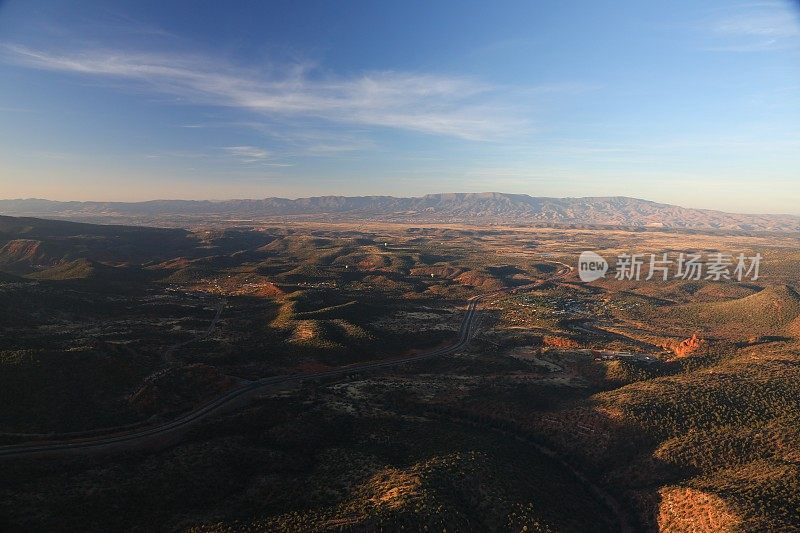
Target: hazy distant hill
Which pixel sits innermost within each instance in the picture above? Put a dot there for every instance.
(488, 208)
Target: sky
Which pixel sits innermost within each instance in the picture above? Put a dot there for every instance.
(695, 103)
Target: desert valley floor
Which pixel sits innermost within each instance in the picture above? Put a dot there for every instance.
(224, 378)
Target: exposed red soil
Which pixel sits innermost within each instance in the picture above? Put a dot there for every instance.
(560, 342)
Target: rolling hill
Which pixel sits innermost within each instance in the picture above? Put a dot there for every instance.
(772, 311)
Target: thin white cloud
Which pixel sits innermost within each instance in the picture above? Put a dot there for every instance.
(248, 154)
(772, 25)
(425, 103)
(306, 140)
(254, 154)
(215, 156)
(755, 28)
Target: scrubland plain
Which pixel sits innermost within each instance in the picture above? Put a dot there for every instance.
(612, 405)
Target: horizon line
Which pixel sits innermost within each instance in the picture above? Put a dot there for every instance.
(222, 200)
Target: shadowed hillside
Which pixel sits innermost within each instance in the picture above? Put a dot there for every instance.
(29, 244)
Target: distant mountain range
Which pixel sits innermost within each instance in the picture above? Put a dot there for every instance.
(477, 208)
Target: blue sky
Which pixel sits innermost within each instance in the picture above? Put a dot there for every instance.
(686, 102)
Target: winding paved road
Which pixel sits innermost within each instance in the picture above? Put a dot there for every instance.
(174, 429)
(167, 431)
(131, 439)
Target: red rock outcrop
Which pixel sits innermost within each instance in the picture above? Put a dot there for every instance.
(687, 346)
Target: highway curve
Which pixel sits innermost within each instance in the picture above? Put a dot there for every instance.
(167, 431)
(174, 429)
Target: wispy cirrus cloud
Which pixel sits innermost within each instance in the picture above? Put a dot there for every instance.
(755, 28)
(424, 103)
(254, 154)
(221, 155)
(248, 154)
